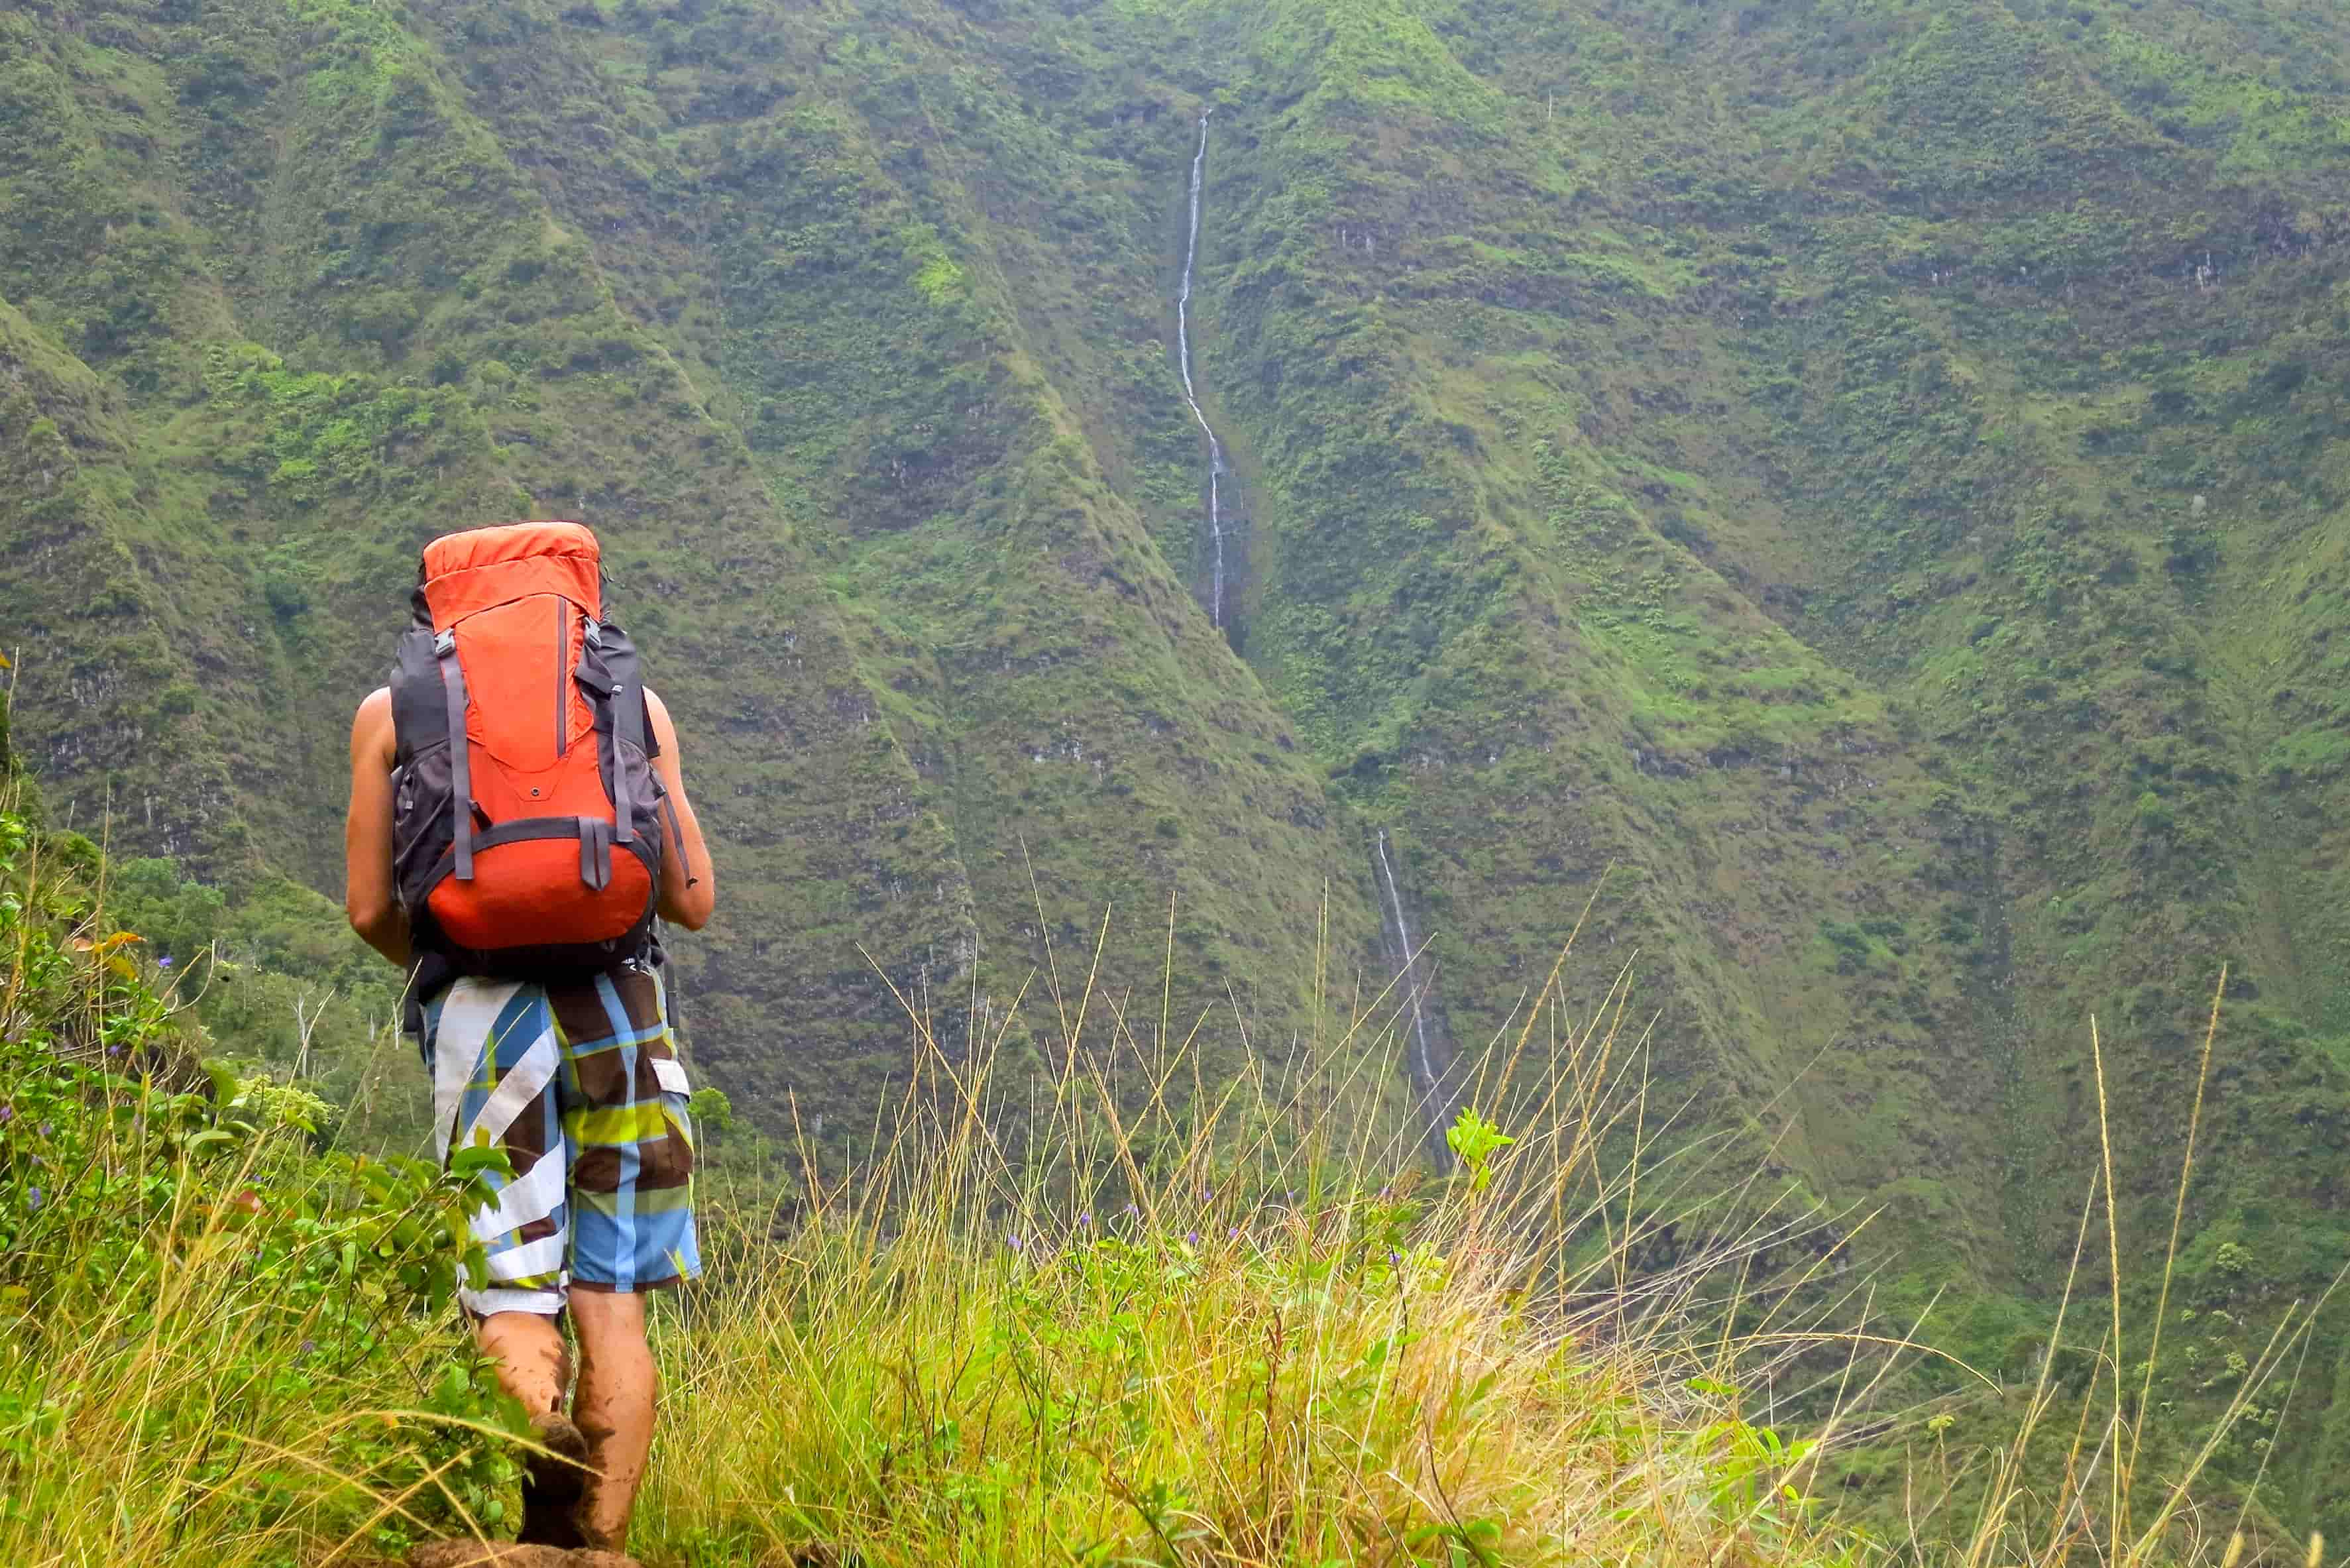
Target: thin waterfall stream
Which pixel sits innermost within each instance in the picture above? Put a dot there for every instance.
(1216, 465)
(1422, 1060)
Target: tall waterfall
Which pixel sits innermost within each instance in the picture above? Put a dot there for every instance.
(1423, 1073)
(1216, 467)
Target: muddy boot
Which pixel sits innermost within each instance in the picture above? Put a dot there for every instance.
(598, 1550)
(552, 1483)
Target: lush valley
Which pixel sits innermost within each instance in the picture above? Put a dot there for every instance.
(1853, 494)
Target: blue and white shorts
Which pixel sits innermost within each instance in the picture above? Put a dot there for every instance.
(580, 1085)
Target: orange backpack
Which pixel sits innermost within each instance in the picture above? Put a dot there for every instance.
(532, 849)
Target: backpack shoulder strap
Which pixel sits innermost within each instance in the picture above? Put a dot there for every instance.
(420, 714)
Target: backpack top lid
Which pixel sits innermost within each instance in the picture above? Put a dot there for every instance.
(484, 566)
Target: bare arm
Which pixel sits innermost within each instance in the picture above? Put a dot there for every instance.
(689, 887)
(368, 895)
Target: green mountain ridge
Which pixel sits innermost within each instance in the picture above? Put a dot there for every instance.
(1864, 481)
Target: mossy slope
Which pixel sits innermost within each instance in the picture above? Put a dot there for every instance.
(1871, 476)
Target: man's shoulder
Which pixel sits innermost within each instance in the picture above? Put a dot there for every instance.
(372, 726)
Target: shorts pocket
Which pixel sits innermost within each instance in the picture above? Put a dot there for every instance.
(667, 1161)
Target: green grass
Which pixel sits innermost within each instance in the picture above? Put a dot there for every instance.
(217, 1342)
(1242, 1328)
(1787, 456)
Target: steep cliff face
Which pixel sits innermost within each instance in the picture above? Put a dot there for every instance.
(1857, 488)
(373, 286)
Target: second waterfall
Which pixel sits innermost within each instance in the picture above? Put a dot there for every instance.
(1218, 470)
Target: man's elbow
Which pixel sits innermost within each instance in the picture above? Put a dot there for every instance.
(689, 906)
(370, 918)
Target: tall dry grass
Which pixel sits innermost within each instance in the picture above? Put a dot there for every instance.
(1123, 1316)
(211, 1351)
(2076, 1477)
(203, 1406)
(1145, 1308)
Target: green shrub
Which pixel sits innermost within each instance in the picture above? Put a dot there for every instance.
(197, 1311)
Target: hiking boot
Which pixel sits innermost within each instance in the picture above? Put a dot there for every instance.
(552, 1483)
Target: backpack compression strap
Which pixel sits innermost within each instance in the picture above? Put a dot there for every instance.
(594, 853)
(461, 781)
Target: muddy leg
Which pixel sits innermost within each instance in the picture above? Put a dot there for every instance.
(534, 1366)
(614, 1410)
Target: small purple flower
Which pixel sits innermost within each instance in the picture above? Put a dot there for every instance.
(163, 962)
(32, 1197)
(1236, 1233)
(1193, 1238)
(47, 1128)
(308, 1345)
(1384, 1191)
(1132, 1212)
(1392, 1258)
(1014, 1239)
(7, 1114)
(1085, 1219)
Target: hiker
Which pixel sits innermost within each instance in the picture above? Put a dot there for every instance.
(517, 878)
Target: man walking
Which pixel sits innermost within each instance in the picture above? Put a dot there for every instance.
(518, 817)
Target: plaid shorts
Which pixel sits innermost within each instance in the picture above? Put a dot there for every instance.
(580, 1085)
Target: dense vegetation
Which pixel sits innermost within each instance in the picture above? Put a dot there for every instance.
(1857, 486)
(228, 1335)
(1198, 1334)
(217, 1330)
